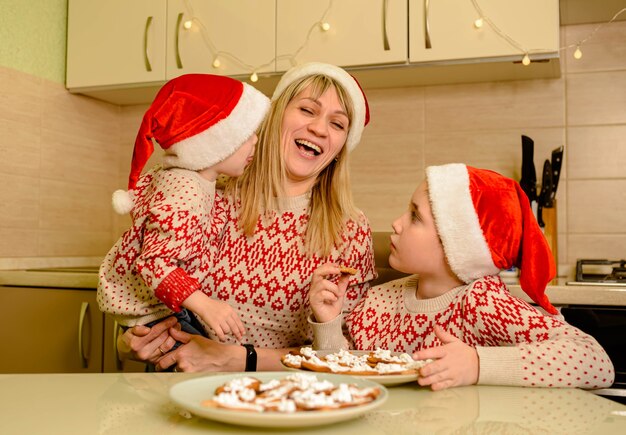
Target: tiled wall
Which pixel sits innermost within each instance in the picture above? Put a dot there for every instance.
(64, 154)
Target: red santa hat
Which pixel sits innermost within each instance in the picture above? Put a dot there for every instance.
(199, 120)
(349, 83)
(486, 225)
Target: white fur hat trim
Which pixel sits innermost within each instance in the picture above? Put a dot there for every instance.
(457, 222)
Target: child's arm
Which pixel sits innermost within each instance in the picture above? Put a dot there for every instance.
(326, 298)
(217, 314)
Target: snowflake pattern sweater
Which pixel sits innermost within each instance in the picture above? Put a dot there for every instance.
(164, 256)
(516, 344)
(267, 276)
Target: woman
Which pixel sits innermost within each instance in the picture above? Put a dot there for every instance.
(289, 213)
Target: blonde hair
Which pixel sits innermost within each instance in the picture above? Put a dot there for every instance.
(262, 183)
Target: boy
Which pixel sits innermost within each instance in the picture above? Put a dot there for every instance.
(463, 226)
(207, 126)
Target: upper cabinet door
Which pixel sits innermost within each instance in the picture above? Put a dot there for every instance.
(448, 27)
(240, 33)
(361, 32)
(115, 42)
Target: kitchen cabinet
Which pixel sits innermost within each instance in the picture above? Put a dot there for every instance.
(444, 31)
(115, 42)
(50, 330)
(371, 33)
(120, 43)
(240, 32)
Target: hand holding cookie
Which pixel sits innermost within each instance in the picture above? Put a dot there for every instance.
(325, 296)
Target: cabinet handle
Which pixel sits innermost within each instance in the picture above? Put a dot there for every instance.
(426, 25)
(179, 63)
(84, 359)
(146, 59)
(385, 38)
(116, 333)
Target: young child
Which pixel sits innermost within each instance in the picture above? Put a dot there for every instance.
(462, 227)
(207, 126)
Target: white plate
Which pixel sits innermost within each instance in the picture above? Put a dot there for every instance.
(189, 395)
(387, 380)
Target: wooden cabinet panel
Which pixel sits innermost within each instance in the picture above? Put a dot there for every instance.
(50, 331)
(449, 27)
(360, 33)
(240, 32)
(115, 42)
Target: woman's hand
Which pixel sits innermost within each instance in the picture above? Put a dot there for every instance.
(455, 363)
(141, 343)
(326, 297)
(200, 354)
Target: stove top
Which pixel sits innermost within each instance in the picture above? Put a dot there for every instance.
(601, 271)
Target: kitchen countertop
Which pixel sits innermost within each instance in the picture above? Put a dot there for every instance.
(87, 278)
(560, 293)
(138, 404)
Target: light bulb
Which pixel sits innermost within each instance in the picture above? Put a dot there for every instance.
(187, 24)
(578, 54)
(216, 63)
(478, 23)
(325, 27)
(526, 60)
(254, 78)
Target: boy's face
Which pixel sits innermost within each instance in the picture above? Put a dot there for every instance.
(415, 244)
(234, 165)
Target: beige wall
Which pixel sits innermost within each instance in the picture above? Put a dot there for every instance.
(64, 154)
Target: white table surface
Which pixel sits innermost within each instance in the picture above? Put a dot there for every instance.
(139, 404)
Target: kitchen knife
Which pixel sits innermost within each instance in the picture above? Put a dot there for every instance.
(556, 161)
(546, 191)
(528, 182)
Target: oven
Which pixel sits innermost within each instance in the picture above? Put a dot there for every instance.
(607, 324)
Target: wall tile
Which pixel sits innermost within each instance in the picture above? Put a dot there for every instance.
(596, 98)
(604, 51)
(514, 104)
(19, 197)
(77, 244)
(395, 111)
(20, 98)
(73, 207)
(67, 156)
(80, 115)
(596, 206)
(18, 242)
(595, 246)
(385, 172)
(596, 152)
(20, 148)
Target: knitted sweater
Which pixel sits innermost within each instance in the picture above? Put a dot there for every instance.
(516, 344)
(267, 276)
(162, 258)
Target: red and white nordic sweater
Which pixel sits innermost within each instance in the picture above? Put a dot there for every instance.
(516, 344)
(267, 276)
(163, 257)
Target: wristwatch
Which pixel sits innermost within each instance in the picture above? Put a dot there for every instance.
(250, 358)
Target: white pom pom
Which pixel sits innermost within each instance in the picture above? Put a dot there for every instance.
(122, 201)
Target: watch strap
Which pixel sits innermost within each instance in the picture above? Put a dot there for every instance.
(250, 358)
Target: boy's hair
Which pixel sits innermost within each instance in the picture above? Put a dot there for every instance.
(485, 224)
(261, 185)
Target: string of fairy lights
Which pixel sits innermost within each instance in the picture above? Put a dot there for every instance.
(323, 25)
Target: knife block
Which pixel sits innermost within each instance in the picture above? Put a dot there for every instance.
(550, 231)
